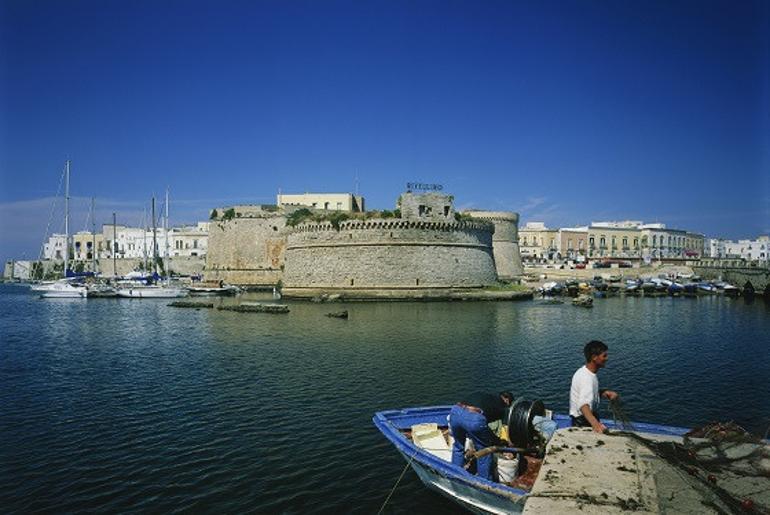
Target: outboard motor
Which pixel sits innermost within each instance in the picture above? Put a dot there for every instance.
(519, 417)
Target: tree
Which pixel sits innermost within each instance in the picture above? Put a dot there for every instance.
(214, 214)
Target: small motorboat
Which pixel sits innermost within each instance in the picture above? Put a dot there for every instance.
(552, 288)
(61, 289)
(707, 288)
(209, 289)
(675, 289)
(636, 466)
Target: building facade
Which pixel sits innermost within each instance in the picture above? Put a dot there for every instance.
(753, 251)
(537, 242)
(323, 201)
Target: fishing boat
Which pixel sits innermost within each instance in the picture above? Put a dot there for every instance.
(643, 467)
(66, 287)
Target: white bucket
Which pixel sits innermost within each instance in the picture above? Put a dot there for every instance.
(507, 467)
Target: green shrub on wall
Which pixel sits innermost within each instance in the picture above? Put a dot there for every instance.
(298, 216)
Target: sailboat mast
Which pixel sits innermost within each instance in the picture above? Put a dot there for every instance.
(114, 245)
(66, 216)
(93, 238)
(144, 236)
(154, 240)
(165, 261)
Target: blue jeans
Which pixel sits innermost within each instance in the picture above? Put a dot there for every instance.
(464, 423)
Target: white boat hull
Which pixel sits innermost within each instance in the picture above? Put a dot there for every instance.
(470, 497)
(152, 292)
(61, 290)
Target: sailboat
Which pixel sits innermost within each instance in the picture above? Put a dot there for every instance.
(63, 288)
(155, 291)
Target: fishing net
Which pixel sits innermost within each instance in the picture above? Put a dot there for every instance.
(721, 460)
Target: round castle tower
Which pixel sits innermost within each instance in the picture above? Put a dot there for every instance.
(425, 254)
(505, 242)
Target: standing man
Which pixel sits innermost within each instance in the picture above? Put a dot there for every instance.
(471, 419)
(585, 394)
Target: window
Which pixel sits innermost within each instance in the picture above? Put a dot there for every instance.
(446, 210)
(326, 205)
(339, 206)
(195, 244)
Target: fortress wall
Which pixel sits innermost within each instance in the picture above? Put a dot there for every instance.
(390, 254)
(246, 251)
(505, 241)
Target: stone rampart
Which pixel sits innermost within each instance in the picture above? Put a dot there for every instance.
(505, 241)
(388, 255)
(247, 250)
(740, 276)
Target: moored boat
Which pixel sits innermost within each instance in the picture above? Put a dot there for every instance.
(151, 291)
(642, 467)
(209, 289)
(61, 289)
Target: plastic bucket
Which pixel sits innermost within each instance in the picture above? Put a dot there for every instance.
(507, 467)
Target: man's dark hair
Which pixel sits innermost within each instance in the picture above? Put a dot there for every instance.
(593, 348)
(507, 396)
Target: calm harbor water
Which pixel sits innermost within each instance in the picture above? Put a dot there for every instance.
(130, 405)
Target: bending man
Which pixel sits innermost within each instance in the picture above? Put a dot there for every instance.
(585, 394)
(471, 419)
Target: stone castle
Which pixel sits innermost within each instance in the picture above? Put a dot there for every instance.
(428, 249)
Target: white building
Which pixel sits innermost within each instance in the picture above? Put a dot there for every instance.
(190, 241)
(757, 250)
(325, 201)
(138, 243)
(54, 247)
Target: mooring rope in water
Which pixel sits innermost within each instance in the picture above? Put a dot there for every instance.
(397, 482)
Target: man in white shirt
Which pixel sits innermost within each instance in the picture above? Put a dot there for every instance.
(585, 394)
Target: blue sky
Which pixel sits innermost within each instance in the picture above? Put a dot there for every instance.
(565, 112)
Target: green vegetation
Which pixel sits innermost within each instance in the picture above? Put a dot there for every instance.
(229, 214)
(214, 214)
(299, 216)
(463, 217)
(503, 286)
(335, 218)
(37, 271)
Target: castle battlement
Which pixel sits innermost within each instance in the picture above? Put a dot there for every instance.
(390, 224)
